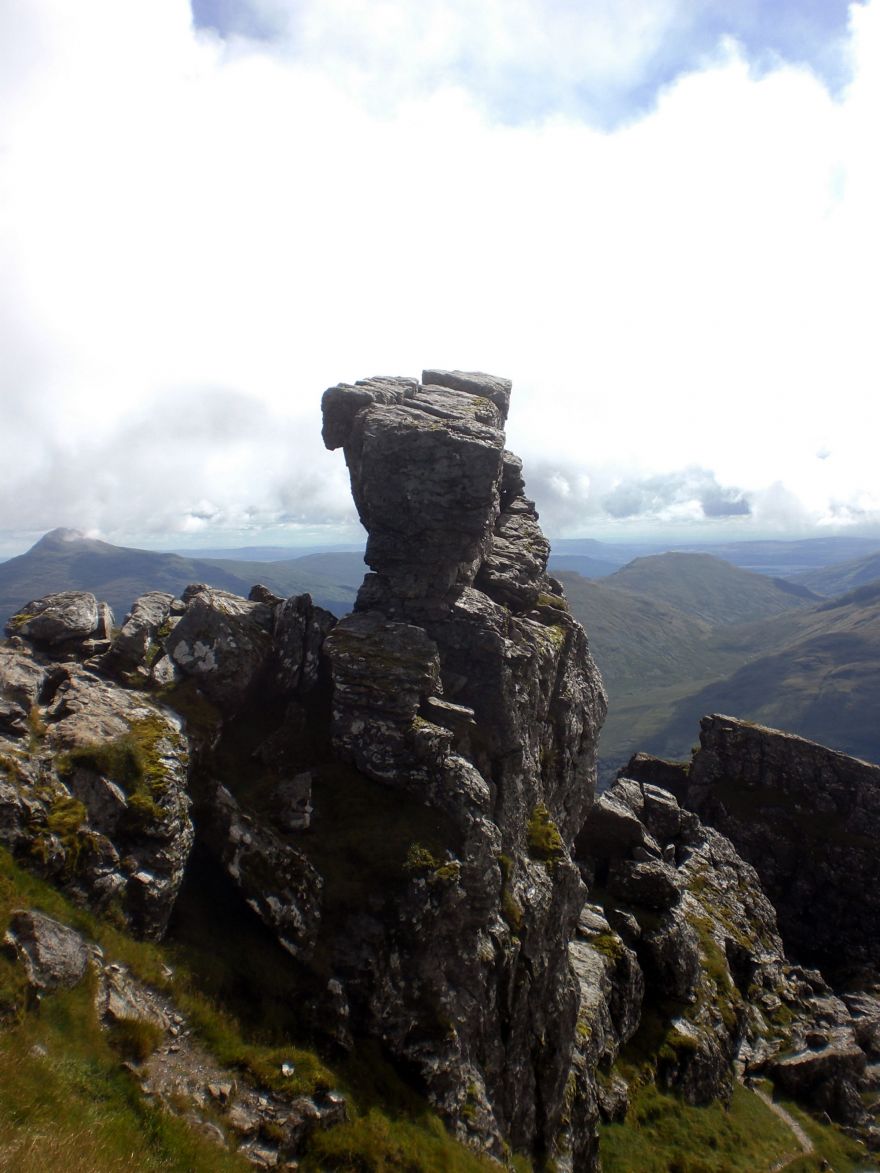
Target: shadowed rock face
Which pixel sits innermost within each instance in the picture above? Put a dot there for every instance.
(808, 819)
(462, 681)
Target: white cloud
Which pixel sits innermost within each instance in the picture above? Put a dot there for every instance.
(180, 218)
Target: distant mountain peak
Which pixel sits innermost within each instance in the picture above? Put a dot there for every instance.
(55, 537)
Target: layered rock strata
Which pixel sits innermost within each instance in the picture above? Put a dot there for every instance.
(808, 819)
(463, 682)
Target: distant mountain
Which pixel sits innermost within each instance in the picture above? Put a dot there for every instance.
(707, 588)
(673, 651)
(770, 556)
(265, 553)
(581, 564)
(638, 641)
(66, 560)
(818, 675)
(842, 577)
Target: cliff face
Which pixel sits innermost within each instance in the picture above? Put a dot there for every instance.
(462, 681)
(808, 819)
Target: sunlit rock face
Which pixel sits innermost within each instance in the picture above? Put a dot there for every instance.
(462, 681)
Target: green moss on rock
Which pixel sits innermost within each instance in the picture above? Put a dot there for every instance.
(542, 836)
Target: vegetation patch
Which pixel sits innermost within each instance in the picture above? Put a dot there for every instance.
(421, 861)
(511, 909)
(136, 762)
(67, 1103)
(663, 1134)
(135, 1039)
(542, 836)
(608, 944)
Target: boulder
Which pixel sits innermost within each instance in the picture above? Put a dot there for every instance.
(53, 955)
(137, 645)
(223, 642)
(278, 882)
(56, 619)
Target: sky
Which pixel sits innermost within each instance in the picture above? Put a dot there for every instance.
(657, 217)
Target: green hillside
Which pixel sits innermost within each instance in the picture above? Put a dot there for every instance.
(813, 668)
(64, 560)
(841, 578)
(819, 677)
(708, 588)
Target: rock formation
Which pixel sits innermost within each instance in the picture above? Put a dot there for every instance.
(405, 800)
(93, 777)
(462, 681)
(808, 819)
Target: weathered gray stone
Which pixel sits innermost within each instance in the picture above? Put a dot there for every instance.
(278, 882)
(463, 682)
(651, 883)
(56, 619)
(613, 830)
(427, 534)
(223, 642)
(667, 775)
(613, 1099)
(293, 802)
(299, 631)
(137, 645)
(827, 1077)
(126, 760)
(21, 680)
(54, 956)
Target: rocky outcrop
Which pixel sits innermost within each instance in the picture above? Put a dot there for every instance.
(463, 682)
(278, 882)
(93, 789)
(706, 979)
(815, 1044)
(71, 623)
(405, 799)
(808, 819)
(167, 1062)
(138, 645)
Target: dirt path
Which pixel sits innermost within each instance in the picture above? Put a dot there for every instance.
(806, 1145)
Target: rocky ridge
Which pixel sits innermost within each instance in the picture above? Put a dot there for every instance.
(405, 799)
(462, 680)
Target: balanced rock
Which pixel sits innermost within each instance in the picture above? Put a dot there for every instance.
(462, 681)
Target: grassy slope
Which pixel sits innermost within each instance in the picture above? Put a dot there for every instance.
(664, 1135)
(66, 1101)
(707, 588)
(841, 578)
